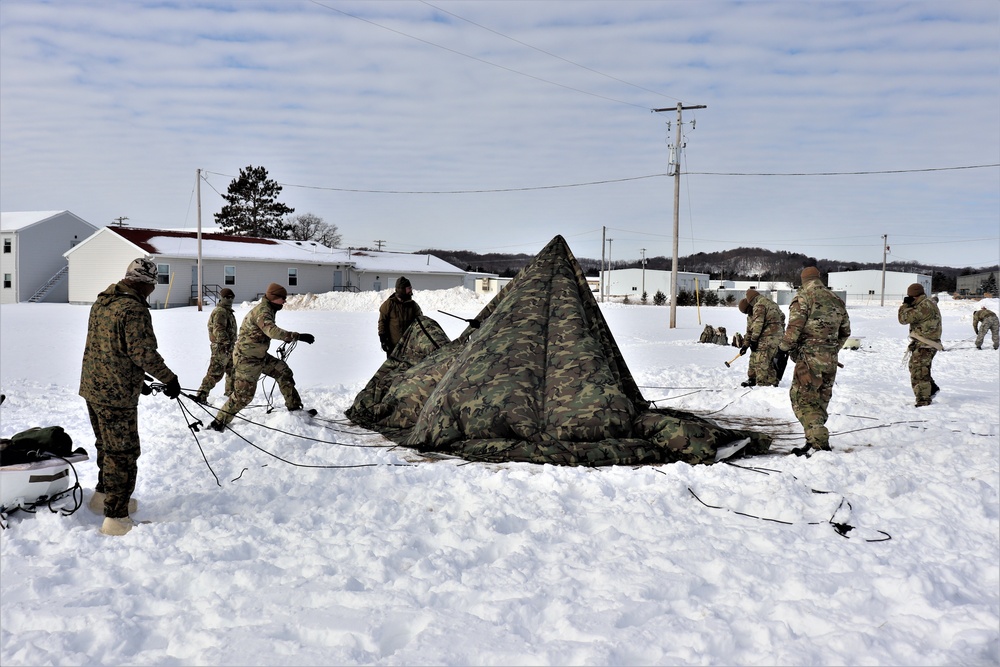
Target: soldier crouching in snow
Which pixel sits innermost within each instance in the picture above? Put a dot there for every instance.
(120, 351)
(251, 360)
(985, 320)
(924, 319)
(818, 325)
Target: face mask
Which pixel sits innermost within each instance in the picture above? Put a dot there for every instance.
(276, 306)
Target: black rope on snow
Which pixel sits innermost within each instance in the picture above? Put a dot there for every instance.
(194, 427)
(841, 528)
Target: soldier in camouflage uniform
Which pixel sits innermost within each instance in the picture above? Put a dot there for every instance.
(818, 325)
(222, 336)
(396, 314)
(120, 350)
(924, 318)
(251, 360)
(985, 320)
(765, 326)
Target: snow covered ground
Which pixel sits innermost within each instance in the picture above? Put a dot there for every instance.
(346, 550)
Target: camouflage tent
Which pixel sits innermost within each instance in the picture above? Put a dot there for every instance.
(541, 380)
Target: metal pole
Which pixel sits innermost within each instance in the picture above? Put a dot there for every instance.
(643, 251)
(885, 249)
(604, 230)
(198, 189)
(609, 266)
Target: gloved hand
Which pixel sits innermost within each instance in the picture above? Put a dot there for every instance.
(385, 344)
(146, 391)
(753, 345)
(743, 350)
(173, 389)
(908, 300)
(307, 338)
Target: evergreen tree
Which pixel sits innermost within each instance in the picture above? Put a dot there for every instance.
(253, 208)
(659, 298)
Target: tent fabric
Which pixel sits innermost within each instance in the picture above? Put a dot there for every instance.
(540, 380)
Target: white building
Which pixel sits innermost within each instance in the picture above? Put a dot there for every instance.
(31, 262)
(633, 282)
(865, 287)
(245, 265)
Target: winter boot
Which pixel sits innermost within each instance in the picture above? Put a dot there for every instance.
(934, 388)
(96, 503)
(216, 425)
(116, 526)
(201, 397)
(311, 411)
(749, 383)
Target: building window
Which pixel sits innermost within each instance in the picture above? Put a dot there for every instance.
(6, 246)
(162, 274)
(293, 277)
(6, 281)
(229, 277)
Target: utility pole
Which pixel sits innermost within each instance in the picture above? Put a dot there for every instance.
(609, 265)
(885, 250)
(643, 251)
(198, 190)
(379, 244)
(120, 220)
(604, 231)
(676, 152)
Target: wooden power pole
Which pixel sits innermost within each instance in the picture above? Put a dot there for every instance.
(676, 150)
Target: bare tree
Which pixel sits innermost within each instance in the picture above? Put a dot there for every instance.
(310, 227)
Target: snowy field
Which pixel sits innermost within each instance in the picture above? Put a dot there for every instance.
(322, 544)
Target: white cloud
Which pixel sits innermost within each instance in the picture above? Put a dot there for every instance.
(108, 108)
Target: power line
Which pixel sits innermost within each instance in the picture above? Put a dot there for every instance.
(611, 180)
(477, 59)
(841, 173)
(566, 60)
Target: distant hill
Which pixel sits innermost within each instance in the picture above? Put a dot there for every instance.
(739, 264)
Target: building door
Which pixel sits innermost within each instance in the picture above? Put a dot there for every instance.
(338, 280)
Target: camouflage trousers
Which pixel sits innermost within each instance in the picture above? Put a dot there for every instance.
(761, 369)
(116, 438)
(920, 373)
(247, 370)
(990, 326)
(220, 364)
(810, 394)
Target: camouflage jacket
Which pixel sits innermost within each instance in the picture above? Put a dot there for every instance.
(258, 329)
(120, 349)
(817, 321)
(222, 325)
(764, 320)
(923, 317)
(394, 317)
(984, 315)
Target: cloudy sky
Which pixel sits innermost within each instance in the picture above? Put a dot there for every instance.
(493, 126)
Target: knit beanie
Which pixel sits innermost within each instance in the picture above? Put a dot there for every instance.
(752, 294)
(744, 306)
(275, 291)
(141, 270)
(227, 293)
(809, 273)
(916, 289)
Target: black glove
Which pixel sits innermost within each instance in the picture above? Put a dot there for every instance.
(753, 345)
(908, 300)
(743, 350)
(146, 391)
(307, 338)
(172, 388)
